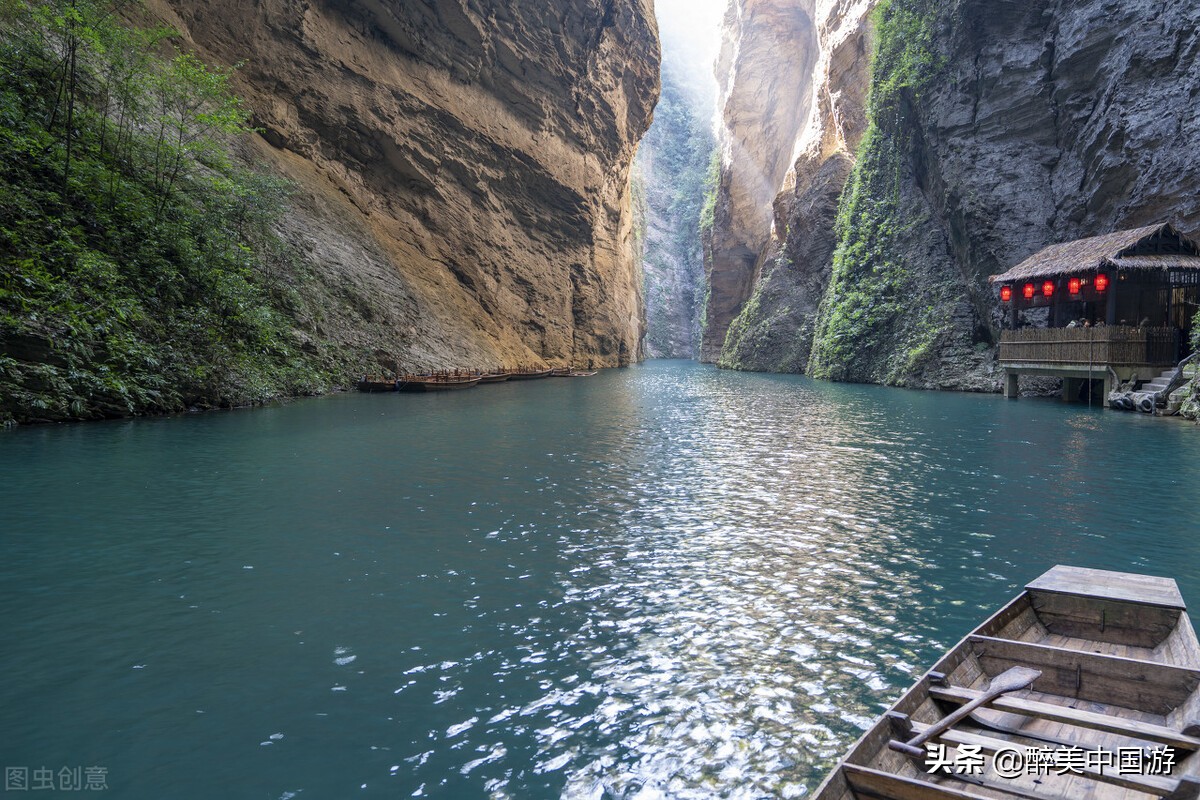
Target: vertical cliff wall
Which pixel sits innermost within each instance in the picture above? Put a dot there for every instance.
(673, 161)
(764, 73)
(994, 128)
(463, 166)
(997, 129)
(773, 330)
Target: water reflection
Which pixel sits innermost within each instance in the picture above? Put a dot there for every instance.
(668, 581)
(740, 667)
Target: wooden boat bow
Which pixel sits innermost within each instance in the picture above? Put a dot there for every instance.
(1081, 660)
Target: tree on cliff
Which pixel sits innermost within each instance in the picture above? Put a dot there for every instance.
(135, 255)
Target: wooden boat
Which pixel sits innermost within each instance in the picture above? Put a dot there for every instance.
(528, 376)
(436, 383)
(376, 385)
(1082, 663)
(581, 373)
(493, 377)
(560, 372)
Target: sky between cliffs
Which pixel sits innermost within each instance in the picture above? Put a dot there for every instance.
(691, 37)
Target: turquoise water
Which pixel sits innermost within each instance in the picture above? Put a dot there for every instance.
(665, 581)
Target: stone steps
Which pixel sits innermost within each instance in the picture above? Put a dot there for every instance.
(1159, 383)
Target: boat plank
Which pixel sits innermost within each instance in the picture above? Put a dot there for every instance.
(1105, 621)
(1181, 647)
(1187, 716)
(1024, 626)
(1169, 651)
(876, 783)
(1150, 784)
(1099, 707)
(1106, 648)
(1128, 682)
(1085, 719)
(1125, 586)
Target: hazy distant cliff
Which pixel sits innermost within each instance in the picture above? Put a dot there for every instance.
(673, 161)
(464, 165)
(993, 129)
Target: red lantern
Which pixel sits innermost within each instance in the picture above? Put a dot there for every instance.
(1073, 286)
(1101, 282)
(1029, 291)
(1005, 294)
(1048, 288)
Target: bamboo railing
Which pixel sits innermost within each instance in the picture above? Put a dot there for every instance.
(1116, 346)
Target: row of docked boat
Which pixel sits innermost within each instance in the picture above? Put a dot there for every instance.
(446, 380)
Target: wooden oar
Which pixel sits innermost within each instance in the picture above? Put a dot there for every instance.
(1010, 680)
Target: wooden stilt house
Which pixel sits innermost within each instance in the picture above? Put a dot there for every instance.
(1112, 308)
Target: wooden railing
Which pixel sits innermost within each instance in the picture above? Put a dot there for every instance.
(1114, 346)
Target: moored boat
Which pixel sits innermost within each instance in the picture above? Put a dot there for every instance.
(436, 383)
(581, 373)
(527, 375)
(493, 377)
(1084, 686)
(560, 372)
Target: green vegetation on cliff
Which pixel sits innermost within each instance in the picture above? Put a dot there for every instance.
(712, 181)
(878, 321)
(1191, 403)
(139, 270)
(751, 343)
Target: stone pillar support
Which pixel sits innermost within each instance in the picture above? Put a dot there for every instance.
(1010, 385)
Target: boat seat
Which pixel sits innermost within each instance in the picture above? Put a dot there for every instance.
(866, 782)
(1127, 682)
(1172, 788)
(1052, 712)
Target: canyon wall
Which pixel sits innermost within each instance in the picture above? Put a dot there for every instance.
(672, 163)
(462, 166)
(993, 129)
(773, 328)
(764, 75)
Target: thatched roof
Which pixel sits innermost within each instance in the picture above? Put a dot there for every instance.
(1100, 251)
(1156, 261)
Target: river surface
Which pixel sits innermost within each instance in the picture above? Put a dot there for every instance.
(663, 581)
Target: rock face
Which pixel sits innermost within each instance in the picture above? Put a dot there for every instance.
(773, 331)
(997, 128)
(764, 71)
(463, 165)
(672, 162)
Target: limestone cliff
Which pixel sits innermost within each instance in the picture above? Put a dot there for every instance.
(764, 71)
(463, 166)
(774, 329)
(994, 129)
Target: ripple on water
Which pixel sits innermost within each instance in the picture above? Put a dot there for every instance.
(667, 582)
(735, 581)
